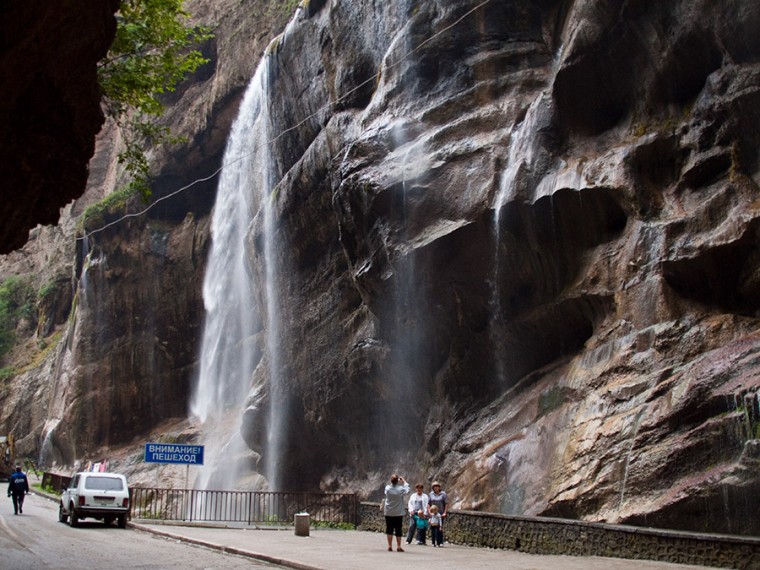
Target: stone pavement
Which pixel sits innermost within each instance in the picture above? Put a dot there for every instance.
(327, 549)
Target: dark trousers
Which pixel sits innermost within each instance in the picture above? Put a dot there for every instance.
(18, 502)
(410, 532)
(436, 535)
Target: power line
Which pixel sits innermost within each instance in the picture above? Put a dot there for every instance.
(369, 80)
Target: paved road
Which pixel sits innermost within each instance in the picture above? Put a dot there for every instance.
(353, 550)
(37, 541)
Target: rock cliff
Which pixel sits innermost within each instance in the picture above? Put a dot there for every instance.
(522, 258)
(516, 249)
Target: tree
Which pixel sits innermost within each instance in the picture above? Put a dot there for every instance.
(151, 53)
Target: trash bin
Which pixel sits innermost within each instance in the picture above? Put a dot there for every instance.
(302, 524)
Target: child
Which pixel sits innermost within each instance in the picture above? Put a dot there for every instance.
(436, 530)
(421, 523)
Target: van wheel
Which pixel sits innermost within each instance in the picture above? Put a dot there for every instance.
(73, 518)
(62, 517)
(123, 521)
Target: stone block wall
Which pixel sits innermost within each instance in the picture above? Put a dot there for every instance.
(539, 535)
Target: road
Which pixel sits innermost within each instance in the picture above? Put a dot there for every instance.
(36, 540)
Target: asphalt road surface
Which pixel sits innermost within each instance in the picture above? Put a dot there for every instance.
(36, 540)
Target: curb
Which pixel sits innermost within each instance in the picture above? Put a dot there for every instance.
(227, 549)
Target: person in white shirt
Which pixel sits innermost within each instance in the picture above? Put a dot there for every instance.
(393, 509)
(417, 502)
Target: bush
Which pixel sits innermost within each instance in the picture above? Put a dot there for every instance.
(115, 202)
(7, 372)
(17, 301)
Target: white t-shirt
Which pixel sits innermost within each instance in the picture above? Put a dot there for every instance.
(418, 502)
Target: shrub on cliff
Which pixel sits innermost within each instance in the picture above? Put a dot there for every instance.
(17, 302)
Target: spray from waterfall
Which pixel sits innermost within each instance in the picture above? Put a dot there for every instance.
(405, 400)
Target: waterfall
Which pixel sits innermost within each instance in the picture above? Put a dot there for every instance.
(87, 301)
(519, 165)
(278, 417)
(406, 401)
(234, 317)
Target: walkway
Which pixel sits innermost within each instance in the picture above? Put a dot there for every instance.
(349, 550)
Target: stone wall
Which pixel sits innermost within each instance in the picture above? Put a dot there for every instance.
(539, 535)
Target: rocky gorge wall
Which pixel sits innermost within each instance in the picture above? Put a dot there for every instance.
(522, 260)
(517, 251)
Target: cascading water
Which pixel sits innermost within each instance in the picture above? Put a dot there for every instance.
(92, 262)
(229, 353)
(521, 157)
(277, 419)
(520, 162)
(408, 369)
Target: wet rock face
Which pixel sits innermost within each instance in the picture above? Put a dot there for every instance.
(131, 356)
(50, 108)
(525, 259)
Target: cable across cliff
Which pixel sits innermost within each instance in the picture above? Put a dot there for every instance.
(383, 68)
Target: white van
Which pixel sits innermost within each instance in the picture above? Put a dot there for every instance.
(101, 496)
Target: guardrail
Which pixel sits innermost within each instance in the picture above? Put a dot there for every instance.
(249, 507)
(54, 481)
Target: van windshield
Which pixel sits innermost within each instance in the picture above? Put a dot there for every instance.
(104, 483)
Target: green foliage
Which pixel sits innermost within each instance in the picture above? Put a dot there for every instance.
(334, 525)
(111, 204)
(17, 301)
(274, 520)
(550, 400)
(151, 54)
(289, 6)
(46, 489)
(7, 372)
(35, 358)
(47, 291)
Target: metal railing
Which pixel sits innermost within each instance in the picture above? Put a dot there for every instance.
(248, 507)
(54, 481)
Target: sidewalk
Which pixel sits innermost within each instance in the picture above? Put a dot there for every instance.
(348, 550)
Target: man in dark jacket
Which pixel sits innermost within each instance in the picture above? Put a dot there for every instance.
(18, 486)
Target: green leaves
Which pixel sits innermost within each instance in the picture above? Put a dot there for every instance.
(151, 53)
(17, 301)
